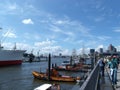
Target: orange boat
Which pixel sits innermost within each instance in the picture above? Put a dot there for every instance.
(55, 76)
(73, 68)
(69, 68)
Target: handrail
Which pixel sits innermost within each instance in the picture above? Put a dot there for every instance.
(91, 83)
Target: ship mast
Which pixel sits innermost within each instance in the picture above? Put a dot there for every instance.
(0, 40)
(83, 51)
(14, 48)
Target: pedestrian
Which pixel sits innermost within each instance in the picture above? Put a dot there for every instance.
(113, 65)
(101, 65)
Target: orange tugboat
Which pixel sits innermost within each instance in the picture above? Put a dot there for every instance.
(55, 76)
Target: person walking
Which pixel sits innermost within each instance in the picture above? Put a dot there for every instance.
(102, 66)
(113, 65)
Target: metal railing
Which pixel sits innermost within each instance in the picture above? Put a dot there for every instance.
(92, 81)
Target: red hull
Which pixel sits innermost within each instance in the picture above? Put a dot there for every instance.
(12, 62)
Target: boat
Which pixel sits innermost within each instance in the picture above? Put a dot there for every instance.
(48, 87)
(10, 57)
(74, 68)
(66, 62)
(54, 76)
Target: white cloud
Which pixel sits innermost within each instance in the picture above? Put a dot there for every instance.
(60, 22)
(12, 35)
(45, 43)
(69, 30)
(98, 47)
(117, 30)
(9, 34)
(37, 37)
(99, 19)
(103, 37)
(27, 21)
(59, 30)
(33, 36)
(71, 27)
(12, 6)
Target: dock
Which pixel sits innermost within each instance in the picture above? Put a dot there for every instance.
(97, 82)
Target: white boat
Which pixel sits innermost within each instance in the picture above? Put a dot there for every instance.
(48, 87)
(10, 57)
(43, 87)
(66, 62)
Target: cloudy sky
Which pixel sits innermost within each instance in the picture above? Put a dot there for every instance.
(59, 26)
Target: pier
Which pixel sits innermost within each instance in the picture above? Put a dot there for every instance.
(96, 82)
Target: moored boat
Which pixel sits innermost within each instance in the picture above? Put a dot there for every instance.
(68, 68)
(48, 87)
(75, 67)
(55, 76)
(67, 62)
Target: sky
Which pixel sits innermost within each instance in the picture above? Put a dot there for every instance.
(59, 26)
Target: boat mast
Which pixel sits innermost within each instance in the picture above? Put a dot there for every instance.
(14, 48)
(0, 41)
(83, 51)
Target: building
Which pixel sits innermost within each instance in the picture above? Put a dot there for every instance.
(112, 49)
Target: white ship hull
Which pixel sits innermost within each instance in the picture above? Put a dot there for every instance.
(11, 57)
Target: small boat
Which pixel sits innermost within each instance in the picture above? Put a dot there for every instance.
(74, 68)
(68, 68)
(67, 62)
(48, 87)
(55, 76)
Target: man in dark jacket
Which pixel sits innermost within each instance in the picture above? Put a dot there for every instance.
(101, 65)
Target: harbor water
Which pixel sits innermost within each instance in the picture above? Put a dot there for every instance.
(19, 77)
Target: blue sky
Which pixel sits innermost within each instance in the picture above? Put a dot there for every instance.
(59, 26)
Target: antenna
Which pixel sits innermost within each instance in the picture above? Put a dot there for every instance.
(83, 51)
(0, 40)
(14, 48)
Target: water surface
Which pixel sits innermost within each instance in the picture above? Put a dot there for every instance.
(20, 77)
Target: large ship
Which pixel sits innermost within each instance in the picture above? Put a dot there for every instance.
(10, 57)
